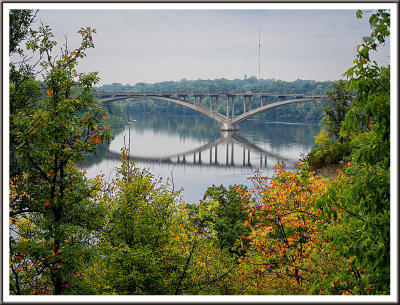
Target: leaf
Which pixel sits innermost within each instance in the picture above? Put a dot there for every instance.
(368, 39)
(373, 20)
(365, 52)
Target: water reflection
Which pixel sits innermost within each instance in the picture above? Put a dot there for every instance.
(229, 150)
(192, 151)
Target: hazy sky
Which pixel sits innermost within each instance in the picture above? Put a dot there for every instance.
(153, 45)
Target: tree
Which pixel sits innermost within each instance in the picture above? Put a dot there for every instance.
(23, 88)
(335, 112)
(230, 215)
(363, 197)
(149, 245)
(53, 218)
(286, 254)
(19, 29)
(136, 251)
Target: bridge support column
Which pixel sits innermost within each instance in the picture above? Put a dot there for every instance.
(226, 126)
(199, 97)
(216, 103)
(247, 98)
(228, 100)
(262, 100)
(182, 97)
(227, 108)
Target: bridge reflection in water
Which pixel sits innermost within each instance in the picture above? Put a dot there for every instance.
(230, 150)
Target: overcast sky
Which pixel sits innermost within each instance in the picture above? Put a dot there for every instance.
(148, 45)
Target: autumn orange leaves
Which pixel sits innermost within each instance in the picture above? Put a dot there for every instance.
(284, 233)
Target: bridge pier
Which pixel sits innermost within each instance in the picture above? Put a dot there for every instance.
(182, 97)
(262, 100)
(227, 107)
(226, 126)
(230, 99)
(197, 97)
(216, 103)
(247, 100)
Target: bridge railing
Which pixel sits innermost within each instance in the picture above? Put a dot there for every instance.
(209, 93)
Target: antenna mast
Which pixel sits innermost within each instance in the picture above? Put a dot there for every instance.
(259, 52)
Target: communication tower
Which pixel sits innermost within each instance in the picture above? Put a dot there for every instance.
(259, 53)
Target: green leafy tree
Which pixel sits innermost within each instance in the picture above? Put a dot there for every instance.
(335, 112)
(20, 28)
(53, 218)
(331, 146)
(150, 246)
(362, 232)
(24, 90)
(230, 215)
(137, 253)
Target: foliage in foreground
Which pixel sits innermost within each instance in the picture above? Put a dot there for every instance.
(149, 245)
(53, 217)
(364, 229)
(362, 196)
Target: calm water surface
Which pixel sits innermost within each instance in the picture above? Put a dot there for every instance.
(194, 153)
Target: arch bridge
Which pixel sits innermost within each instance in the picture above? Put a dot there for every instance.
(228, 121)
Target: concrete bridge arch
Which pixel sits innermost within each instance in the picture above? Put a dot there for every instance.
(228, 121)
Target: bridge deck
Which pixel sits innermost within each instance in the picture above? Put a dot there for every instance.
(198, 93)
(228, 121)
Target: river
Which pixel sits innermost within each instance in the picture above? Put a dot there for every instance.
(193, 152)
